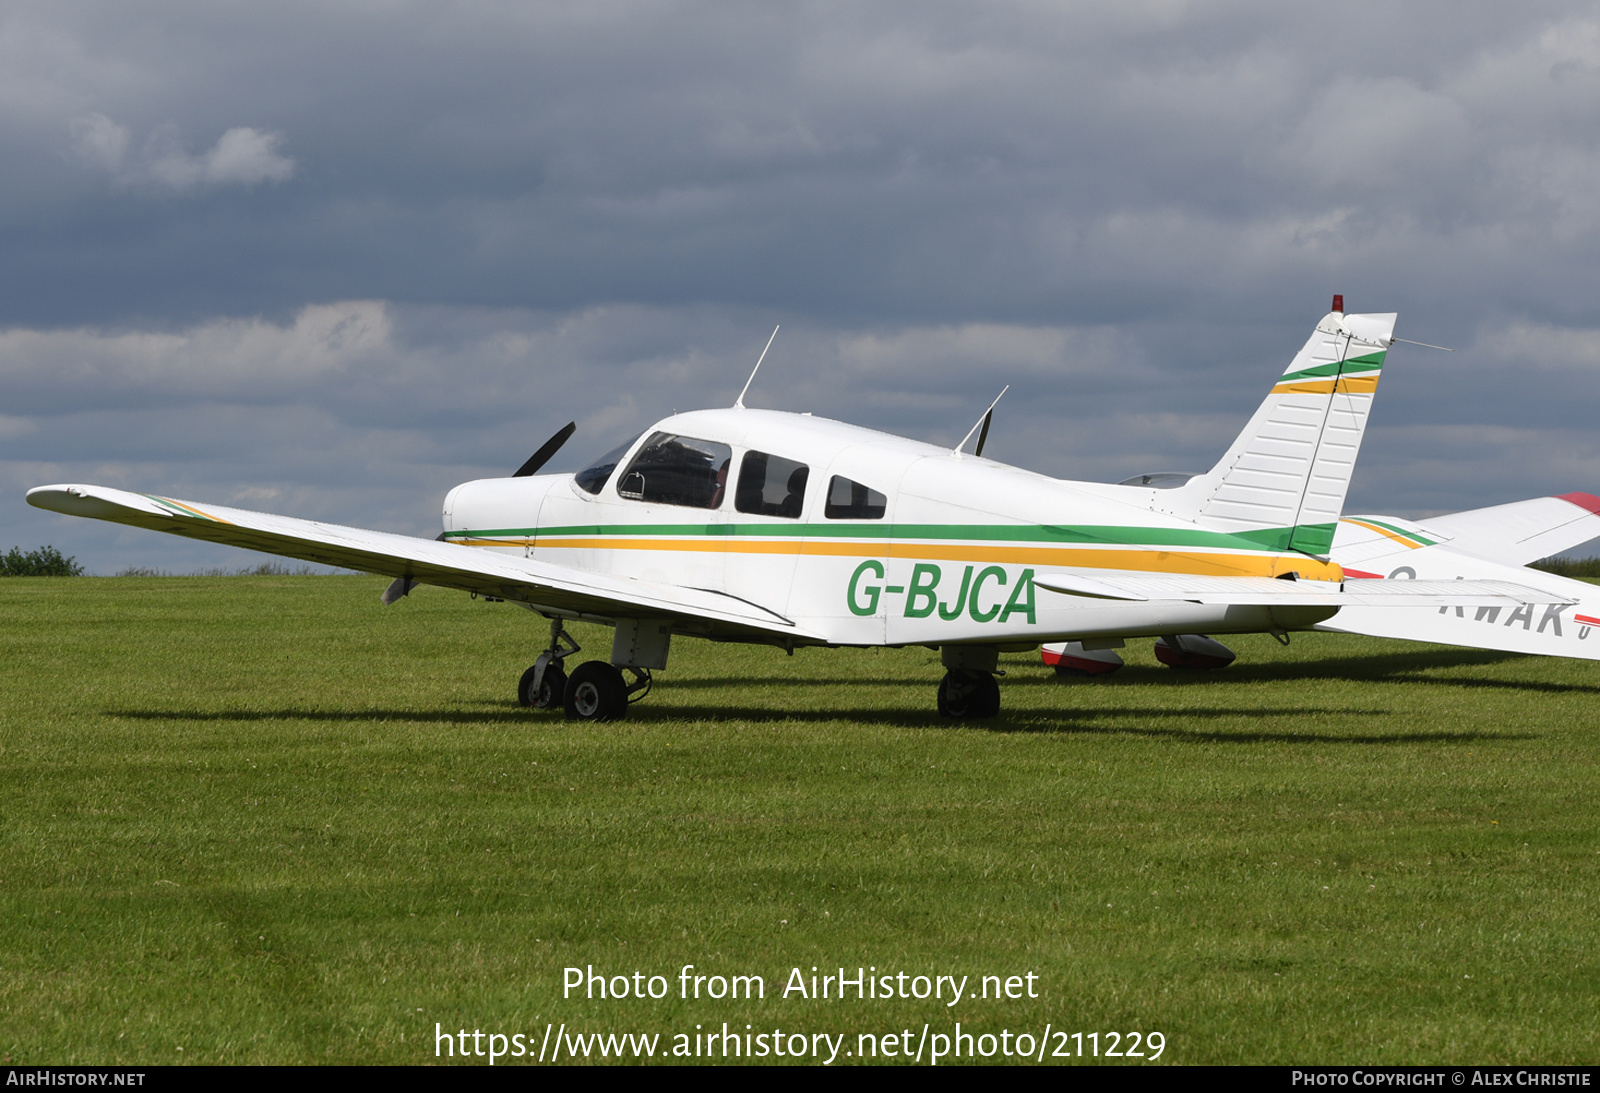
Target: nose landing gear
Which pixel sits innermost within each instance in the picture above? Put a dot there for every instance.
(543, 686)
(596, 690)
(542, 691)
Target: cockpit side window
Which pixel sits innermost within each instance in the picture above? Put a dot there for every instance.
(593, 478)
(849, 500)
(770, 485)
(677, 470)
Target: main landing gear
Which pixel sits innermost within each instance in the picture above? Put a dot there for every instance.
(966, 695)
(968, 690)
(596, 690)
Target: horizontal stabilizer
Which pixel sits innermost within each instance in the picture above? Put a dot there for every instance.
(1275, 592)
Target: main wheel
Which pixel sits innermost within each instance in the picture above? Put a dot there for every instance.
(968, 696)
(552, 688)
(596, 691)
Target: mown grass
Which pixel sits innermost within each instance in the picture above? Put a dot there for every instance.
(265, 819)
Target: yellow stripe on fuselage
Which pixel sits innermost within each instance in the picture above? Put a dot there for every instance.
(1149, 561)
(1344, 385)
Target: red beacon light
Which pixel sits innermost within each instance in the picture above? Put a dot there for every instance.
(1338, 303)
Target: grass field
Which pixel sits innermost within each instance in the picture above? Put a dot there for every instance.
(268, 820)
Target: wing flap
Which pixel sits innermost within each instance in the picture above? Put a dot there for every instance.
(541, 585)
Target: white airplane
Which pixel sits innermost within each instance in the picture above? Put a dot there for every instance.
(791, 530)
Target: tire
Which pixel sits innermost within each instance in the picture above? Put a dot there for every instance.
(969, 696)
(989, 695)
(596, 691)
(552, 689)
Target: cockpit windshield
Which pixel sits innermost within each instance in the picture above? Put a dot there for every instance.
(593, 478)
(677, 470)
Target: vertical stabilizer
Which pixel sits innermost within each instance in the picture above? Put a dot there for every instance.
(1285, 478)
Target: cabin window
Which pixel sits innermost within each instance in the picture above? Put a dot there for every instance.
(677, 470)
(593, 478)
(849, 500)
(770, 485)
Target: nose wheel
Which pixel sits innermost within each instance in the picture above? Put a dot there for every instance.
(542, 691)
(544, 686)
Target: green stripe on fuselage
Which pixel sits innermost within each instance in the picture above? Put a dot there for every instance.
(1265, 540)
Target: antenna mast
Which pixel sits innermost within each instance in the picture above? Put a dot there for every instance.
(738, 403)
(982, 421)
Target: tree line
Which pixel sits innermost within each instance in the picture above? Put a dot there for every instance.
(47, 561)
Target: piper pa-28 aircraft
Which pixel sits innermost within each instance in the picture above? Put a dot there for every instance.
(790, 530)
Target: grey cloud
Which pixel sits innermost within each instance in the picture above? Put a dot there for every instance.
(238, 361)
(598, 211)
(241, 156)
(795, 158)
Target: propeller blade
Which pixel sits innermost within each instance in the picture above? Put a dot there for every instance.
(984, 433)
(542, 456)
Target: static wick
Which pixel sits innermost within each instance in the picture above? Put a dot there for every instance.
(738, 403)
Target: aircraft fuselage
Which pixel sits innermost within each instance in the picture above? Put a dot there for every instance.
(863, 538)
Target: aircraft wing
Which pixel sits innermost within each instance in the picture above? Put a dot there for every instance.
(1524, 531)
(545, 587)
(1273, 592)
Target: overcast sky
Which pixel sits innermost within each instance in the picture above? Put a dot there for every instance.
(330, 259)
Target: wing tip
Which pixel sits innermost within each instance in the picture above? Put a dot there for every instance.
(1586, 501)
(56, 498)
(95, 502)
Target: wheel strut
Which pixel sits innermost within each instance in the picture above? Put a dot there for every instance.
(543, 685)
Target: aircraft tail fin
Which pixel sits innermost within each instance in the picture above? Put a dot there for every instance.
(1286, 476)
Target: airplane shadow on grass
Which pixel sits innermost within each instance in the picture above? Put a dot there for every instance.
(1092, 725)
(1395, 668)
(1099, 722)
(1379, 668)
(1407, 668)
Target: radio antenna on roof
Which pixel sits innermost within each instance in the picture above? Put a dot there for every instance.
(988, 415)
(738, 403)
